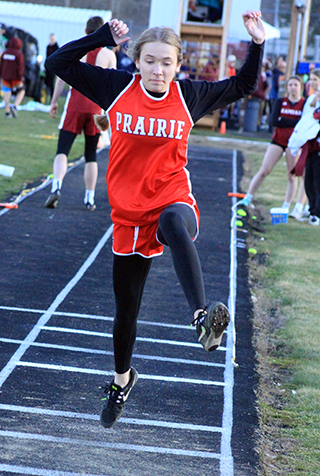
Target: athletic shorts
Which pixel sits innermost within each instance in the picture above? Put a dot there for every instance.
(282, 146)
(8, 86)
(141, 240)
(77, 122)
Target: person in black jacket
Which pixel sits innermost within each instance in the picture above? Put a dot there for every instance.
(51, 48)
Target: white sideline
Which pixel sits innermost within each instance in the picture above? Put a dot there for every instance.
(226, 461)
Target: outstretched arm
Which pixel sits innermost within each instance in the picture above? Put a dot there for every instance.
(98, 84)
(254, 26)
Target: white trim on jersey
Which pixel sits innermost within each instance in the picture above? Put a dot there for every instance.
(117, 99)
(64, 114)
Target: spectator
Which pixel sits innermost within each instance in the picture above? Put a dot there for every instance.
(210, 72)
(212, 11)
(51, 48)
(287, 112)
(123, 60)
(231, 66)
(12, 74)
(278, 73)
(305, 131)
(3, 38)
(312, 172)
(260, 95)
(230, 71)
(78, 117)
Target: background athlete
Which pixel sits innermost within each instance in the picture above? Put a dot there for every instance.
(77, 117)
(287, 112)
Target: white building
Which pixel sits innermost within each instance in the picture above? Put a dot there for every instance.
(41, 20)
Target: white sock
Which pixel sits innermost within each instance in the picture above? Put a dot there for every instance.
(89, 197)
(249, 197)
(286, 204)
(56, 185)
(306, 208)
(298, 206)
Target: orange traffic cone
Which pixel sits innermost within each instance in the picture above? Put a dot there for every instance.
(222, 129)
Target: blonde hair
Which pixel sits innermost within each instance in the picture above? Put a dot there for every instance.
(101, 121)
(151, 35)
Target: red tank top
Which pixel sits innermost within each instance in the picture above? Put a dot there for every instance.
(76, 101)
(148, 154)
(290, 111)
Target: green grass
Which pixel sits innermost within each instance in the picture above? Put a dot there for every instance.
(288, 286)
(29, 144)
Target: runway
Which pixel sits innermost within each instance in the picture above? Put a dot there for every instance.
(191, 412)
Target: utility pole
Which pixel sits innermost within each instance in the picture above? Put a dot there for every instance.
(300, 16)
(276, 24)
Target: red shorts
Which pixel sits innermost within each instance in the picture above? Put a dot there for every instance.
(142, 240)
(77, 122)
(11, 84)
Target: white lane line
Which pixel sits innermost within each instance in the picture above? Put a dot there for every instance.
(96, 317)
(239, 141)
(25, 194)
(129, 421)
(103, 444)
(86, 350)
(140, 339)
(226, 461)
(26, 470)
(33, 334)
(162, 378)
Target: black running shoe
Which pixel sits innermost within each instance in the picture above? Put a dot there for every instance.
(210, 325)
(117, 396)
(52, 200)
(90, 207)
(14, 111)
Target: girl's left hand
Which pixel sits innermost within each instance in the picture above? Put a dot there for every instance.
(119, 31)
(252, 22)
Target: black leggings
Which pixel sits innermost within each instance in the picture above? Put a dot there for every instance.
(66, 140)
(312, 183)
(177, 227)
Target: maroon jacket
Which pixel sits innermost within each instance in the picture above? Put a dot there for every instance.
(12, 61)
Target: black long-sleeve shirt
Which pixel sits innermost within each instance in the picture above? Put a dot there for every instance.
(104, 85)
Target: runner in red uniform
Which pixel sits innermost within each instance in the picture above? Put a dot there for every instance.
(77, 117)
(286, 113)
(149, 188)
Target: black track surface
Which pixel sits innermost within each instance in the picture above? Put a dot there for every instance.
(41, 252)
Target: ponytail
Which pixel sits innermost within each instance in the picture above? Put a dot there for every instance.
(101, 121)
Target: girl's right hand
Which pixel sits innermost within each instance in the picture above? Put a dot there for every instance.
(119, 31)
